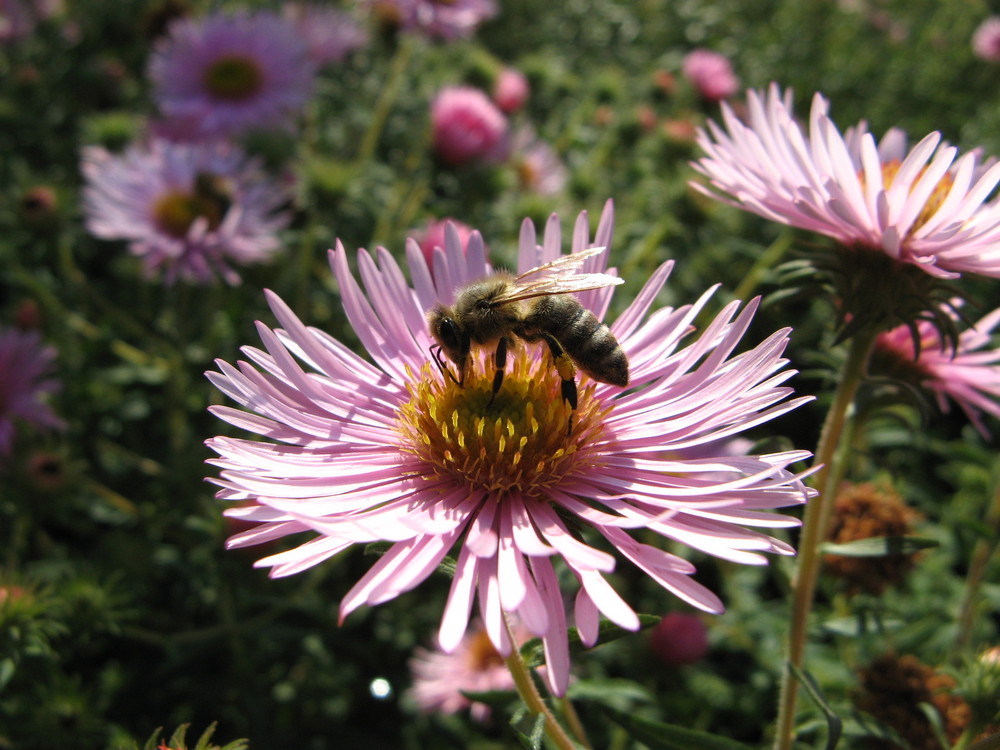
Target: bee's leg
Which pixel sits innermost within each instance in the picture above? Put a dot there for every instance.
(500, 362)
(567, 371)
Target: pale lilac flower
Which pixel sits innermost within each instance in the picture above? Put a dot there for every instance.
(16, 20)
(467, 127)
(510, 90)
(228, 74)
(330, 34)
(968, 374)
(475, 666)
(539, 168)
(24, 365)
(188, 210)
(441, 19)
(986, 40)
(921, 205)
(710, 73)
(390, 449)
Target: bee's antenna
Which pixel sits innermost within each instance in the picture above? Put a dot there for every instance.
(442, 365)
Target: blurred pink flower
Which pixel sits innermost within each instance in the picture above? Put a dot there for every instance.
(969, 375)
(986, 39)
(24, 365)
(711, 73)
(226, 74)
(538, 167)
(919, 206)
(475, 666)
(187, 209)
(357, 452)
(510, 90)
(441, 19)
(467, 127)
(16, 20)
(679, 638)
(330, 34)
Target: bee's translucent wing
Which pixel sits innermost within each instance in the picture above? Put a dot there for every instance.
(564, 265)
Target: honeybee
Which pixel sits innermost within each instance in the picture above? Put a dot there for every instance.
(534, 306)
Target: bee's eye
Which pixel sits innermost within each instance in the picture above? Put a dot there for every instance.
(448, 334)
(482, 305)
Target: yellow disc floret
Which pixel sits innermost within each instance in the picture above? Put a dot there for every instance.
(523, 440)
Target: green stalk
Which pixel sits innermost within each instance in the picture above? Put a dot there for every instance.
(385, 101)
(529, 694)
(831, 461)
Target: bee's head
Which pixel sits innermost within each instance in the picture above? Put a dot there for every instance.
(448, 334)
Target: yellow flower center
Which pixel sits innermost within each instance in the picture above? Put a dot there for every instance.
(526, 440)
(483, 655)
(176, 210)
(889, 171)
(233, 78)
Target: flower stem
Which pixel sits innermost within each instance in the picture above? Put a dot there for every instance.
(826, 479)
(529, 694)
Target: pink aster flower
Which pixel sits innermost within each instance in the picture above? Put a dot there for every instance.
(467, 127)
(968, 374)
(389, 448)
(711, 73)
(441, 19)
(24, 364)
(188, 210)
(679, 638)
(986, 40)
(475, 666)
(923, 206)
(226, 74)
(330, 34)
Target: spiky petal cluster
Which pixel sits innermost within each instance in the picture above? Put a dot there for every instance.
(925, 205)
(343, 461)
(187, 210)
(24, 366)
(440, 19)
(968, 373)
(228, 73)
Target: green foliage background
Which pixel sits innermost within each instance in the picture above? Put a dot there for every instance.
(135, 617)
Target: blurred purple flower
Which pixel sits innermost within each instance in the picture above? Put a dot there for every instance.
(226, 74)
(16, 20)
(919, 206)
(394, 451)
(24, 364)
(986, 40)
(969, 375)
(330, 34)
(711, 74)
(467, 127)
(441, 19)
(187, 209)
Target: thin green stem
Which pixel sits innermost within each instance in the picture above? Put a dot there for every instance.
(764, 263)
(385, 101)
(529, 694)
(981, 554)
(830, 460)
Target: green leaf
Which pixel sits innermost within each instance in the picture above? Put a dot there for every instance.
(879, 546)
(660, 736)
(608, 691)
(834, 725)
(531, 739)
(862, 623)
